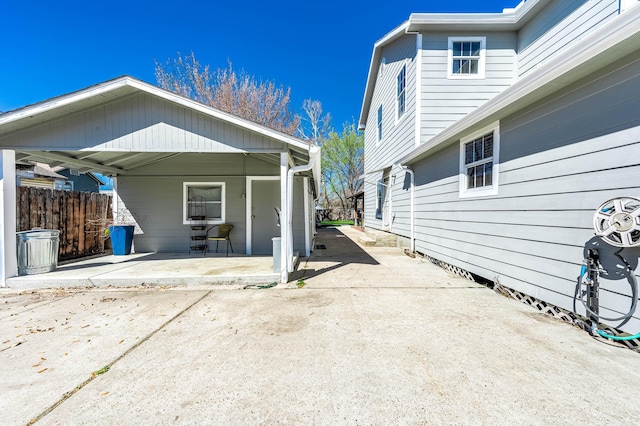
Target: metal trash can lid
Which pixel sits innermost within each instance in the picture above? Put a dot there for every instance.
(38, 233)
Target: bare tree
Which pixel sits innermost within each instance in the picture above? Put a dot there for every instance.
(316, 127)
(343, 163)
(239, 94)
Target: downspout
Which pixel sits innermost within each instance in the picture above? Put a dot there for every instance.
(314, 158)
(411, 203)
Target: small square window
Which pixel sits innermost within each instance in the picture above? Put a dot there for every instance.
(466, 57)
(203, 199)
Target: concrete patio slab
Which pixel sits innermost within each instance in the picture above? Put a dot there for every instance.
(170, 269)
(413, 345)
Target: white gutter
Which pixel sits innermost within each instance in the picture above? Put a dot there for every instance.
(509, 20)
(314, 162)
(618, 38)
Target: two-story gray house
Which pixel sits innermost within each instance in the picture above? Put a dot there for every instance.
(492, 139)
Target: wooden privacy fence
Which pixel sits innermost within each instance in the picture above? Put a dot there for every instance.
(80, 217)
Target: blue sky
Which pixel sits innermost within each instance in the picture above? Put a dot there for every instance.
(321, 50)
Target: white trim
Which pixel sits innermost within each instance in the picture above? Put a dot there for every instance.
(127, 81)
(307, 222)
(481, 61)
(114, 199)
(600, 48)
(8, 221)
(625, 5)
(404, 113)
(486, 190)
(372, 76)
(508, 20)
(185, 196)
(284, 214)
(249, 205)
(418, 88)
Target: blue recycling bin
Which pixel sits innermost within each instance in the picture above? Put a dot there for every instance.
(121, 238)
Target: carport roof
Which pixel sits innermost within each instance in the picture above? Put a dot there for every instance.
(113, 162)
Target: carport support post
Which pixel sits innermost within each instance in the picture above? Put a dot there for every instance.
(284, 168)
(8, 257)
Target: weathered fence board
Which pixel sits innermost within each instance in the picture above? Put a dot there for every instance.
(79, 216)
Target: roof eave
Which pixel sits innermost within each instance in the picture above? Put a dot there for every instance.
(614, 41)
(127, 81)
(508, 20)
(373, 70)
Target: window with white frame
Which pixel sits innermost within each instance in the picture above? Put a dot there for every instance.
(401, 92)
(380, 123)
(466, 57)
(379, 198)
(203, 199)
(479, 163)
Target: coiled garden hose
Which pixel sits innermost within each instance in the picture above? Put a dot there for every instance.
(612, 337)
(634, 294)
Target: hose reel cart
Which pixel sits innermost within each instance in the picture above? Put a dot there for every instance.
(617, 223)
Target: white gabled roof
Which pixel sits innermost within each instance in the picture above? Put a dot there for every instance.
(613, 41)
(508, 20)
(117, 88)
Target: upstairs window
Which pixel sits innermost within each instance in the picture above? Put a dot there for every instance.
(380, 123)
(479, 163)
(401, 92)
(466, 57)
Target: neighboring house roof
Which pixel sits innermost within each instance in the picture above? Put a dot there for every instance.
(614, 40)
(121, 87)
(40, 169)
(88, 174)
(43, 170)
(508, 20)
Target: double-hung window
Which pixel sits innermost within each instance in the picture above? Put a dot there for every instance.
(401, 92)
(466, 57)
(380, 123)
(203, 199)
(380, 187)
(479, 163)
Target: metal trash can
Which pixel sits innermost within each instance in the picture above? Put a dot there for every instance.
(277, 255)
(37, 251)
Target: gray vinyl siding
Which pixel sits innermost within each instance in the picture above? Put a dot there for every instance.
(558, 26)
(157, 208)
(559, 160)
(444, 101)
(155, 199)
(141, 123)
(397, 135)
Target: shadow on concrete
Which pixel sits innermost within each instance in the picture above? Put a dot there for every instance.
(333, 247)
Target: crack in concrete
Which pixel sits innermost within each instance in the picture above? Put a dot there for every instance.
(69, 394)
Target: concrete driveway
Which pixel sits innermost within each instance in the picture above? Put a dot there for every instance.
(373, 337)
